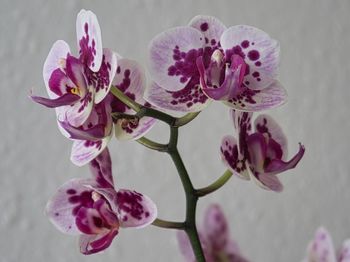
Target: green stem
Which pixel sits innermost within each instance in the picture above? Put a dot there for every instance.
(152, 145)
(214, 186)
(168, 224)
(185, 119)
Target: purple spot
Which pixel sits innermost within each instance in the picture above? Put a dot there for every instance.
(130, 203)
(253, 55)
(256, 74)
(204, 27)
(57, 214)
(245, 44)
(258, 63)
(71, 191)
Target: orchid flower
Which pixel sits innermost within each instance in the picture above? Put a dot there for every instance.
(95, 210)
(191, 65)
(75, 85)
(215, 240)
(260, 154)
(321, 249)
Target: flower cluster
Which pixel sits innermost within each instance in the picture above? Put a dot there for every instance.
(98, 93)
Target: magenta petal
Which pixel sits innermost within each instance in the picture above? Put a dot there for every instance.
(105, 75)
(211, 28)
(75, 72)
(94, 133)
(55, 60)
(257, 149)
(89, 39)
(91, 244)
(101, 168)
(344, 252)
(64, 100)
(268, 182)
(265, 124)
(62, 207)
(258, 100)
(277, 166)
(215, 227)
(135, 210)
(173, 56)
(187, 100)
(259, 50)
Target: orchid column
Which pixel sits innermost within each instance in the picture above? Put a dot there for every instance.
(190, 66)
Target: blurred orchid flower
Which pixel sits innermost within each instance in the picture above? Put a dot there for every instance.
(75, 85)
(215, 240)
(321, 249)
(94, 209)
(190, 65)
(260, 154)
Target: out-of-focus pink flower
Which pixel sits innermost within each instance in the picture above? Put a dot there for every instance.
(260, 154)
(94, 209)
(321, 249)
(215, 239)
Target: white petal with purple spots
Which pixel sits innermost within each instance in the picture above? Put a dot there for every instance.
(259, 50)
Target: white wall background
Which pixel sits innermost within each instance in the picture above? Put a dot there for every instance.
(315, 69)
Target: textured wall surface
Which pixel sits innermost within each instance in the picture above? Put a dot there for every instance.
(315, 69)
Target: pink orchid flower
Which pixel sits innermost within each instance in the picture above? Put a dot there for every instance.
(75, 85)
(93, 136)
(321, 249)
(260, 154)
(95, 210)
(215, 240)
(191, 65)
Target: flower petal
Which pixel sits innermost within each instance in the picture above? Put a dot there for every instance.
(257, 100)
(64, 205)
(268, 181)
(211, 28)
(130, 78)
(321, 248)
(64, 100)
(232, 252)
(277, 166)
(173, 55)
(101, 169)
(54, 60)
(102, 80)
(135, 210)
(257, 149)
(232, 159)
(189, 99)
(91, 244)
(265, 124)
(259, 50)
(187, 251)
(94, 133)
(89, 39)
(83, 151)
(344, 252)
(215, 227)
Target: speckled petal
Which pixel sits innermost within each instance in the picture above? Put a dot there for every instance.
(265, 124)
(257, 100)
(215, 227)
(55, 60)
(101, 169)
(321, 249)
(83, 151)
(186, 100)
(91, 244)
(259, 50)
(277, 166)
(63, 206)
(232, 159)
(94, 133)
(211, 27)
(173, 55)
(344, 252)
(134, 209)
(105, 75)
(89, 39)
(130, 78)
